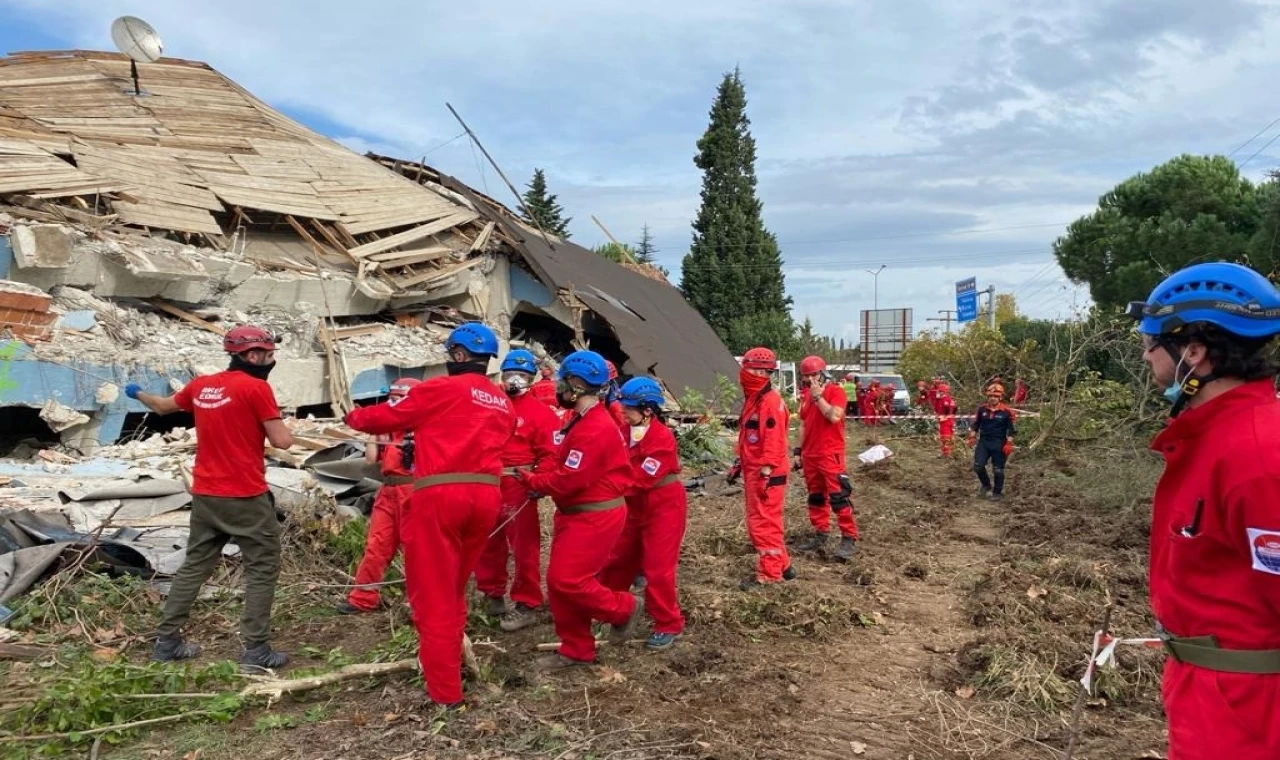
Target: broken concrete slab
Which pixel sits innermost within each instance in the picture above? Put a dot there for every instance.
(59, 417)
(41, 246)
(80, 321)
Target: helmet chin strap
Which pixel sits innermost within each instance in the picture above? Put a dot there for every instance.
(1191, 385)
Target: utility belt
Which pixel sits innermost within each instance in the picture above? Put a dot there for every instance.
(398, 480)
(1204, 652)
(666, 481)
(595, 506)
(456, 478)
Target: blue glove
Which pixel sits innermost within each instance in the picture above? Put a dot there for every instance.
(132, 390)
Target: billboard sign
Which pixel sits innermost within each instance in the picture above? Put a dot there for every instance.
(885, 335)
(967, 300)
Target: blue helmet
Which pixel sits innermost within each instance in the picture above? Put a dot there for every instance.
(520, 360)
(475, 337)
(1232, 296)
(589, 366)
(639, 391)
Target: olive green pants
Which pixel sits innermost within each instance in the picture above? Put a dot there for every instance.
(214, 521)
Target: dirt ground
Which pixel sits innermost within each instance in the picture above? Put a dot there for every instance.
(957, 632)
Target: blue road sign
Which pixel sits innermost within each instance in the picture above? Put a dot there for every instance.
(967, 300)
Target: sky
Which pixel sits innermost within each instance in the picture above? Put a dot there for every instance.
(940, 140)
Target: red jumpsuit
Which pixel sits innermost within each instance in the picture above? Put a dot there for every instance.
(864, 405)
(1215, 570)
(873, 404)
(519, 533)
(588, 483)
(762, 442)
(946, 408)
(650, 543)
(615, 411)
(822, 453)
(383, 538)
(461, 424)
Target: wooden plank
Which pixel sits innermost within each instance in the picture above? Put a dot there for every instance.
(483, 238)
(411, 256)
(358, 225)
(275, 203)
(427, 278)
(97, 188)
(186, 316)
(177, 218)
(250, 183)
(332, 237)
(417, 233)
(355, 331)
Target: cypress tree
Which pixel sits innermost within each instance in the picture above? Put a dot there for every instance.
(733, 271)
(548, 213)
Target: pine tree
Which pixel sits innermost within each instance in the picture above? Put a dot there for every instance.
(548, 213)
(733, 271)
(645, 249)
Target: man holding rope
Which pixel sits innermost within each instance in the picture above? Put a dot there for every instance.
(1215, 526)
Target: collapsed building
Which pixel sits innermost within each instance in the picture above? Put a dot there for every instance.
(135, 229)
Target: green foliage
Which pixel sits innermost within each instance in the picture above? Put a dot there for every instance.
(347, 545)
(1187, 210)
(616, 252)
(100, 601)
(546, 212)
(92, 694)
(705, 442)
(968, 359)
(733, 271)
(646, 251)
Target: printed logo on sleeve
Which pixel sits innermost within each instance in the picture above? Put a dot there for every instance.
(651, 465)
(574, 460)
(1265, 548)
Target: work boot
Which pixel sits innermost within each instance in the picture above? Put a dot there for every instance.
(848, 547)
(621, 634)
(640, 582)
(789, 574)
(557, 661)
(496, 606)
(816, 542)
(260, 658)
(518, 617)
(983, 491)
(347, 608)
(996, 497)
(172, 648)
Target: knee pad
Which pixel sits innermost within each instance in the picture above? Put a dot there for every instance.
(817, 500)
(839, 501)
(979, 467)
(998, 470)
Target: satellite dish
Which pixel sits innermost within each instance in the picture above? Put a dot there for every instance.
(136, 39)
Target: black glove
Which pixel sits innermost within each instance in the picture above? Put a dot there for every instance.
(735, 472)
(846, 486)
(406, 451)
(795, 452)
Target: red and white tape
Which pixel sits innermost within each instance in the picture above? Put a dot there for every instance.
(1104, 653)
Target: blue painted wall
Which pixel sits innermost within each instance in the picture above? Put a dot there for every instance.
(525, 287)
(6, 257)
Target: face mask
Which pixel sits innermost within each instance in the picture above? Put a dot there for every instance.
(473, 367)
(751, 383)
(1174, 392)
(515, 383)
(260, 371)
(638, 433)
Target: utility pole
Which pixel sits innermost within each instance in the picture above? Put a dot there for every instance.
(947, 316)
(991, 306)
(875, 273)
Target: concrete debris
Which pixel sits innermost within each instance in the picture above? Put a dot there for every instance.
(59, 417)
(107, 393)
(45, 246)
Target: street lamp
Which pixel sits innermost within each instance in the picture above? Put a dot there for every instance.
(876, 274)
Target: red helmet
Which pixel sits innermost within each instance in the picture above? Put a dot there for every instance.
(943, 388)
(246, 338)
(995, 389)
(760, 358)
(812, 365)
(849, 377)
(613, 371)
(402, 386)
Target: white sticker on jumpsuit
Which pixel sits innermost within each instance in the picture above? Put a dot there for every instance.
(651, 465)
(557, 438)
(574, 460)
(1265, 548)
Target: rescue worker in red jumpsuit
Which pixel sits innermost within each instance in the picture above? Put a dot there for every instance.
(611, 396)
(518, 534)
(875, 402)
(1020, 392)
(821, 455)
(461, 423)
(762, 453)
(234, 411)
(924, 395)
(992, 438)
(588, 484)
(1215, 526)
(946, 408)
(657, 507)
(394, 455)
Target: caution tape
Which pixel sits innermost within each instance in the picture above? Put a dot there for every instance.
(931, 416)
(1104, 653)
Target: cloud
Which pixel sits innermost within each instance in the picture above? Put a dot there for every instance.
(945, 143)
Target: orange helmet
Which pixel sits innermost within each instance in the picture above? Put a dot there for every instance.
(812, 365)
(995, 389)
(943, 388)
(760, 358)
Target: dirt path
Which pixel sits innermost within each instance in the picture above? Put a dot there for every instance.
(872, 695)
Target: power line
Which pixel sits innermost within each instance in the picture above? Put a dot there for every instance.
(1255, 137)
(851, 262)
(1265, 145)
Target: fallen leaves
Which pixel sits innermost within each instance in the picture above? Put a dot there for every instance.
(966, 692)
(858, 748)
(609, 675)
(1036, 592)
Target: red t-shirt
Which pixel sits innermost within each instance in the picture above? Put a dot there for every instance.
(391, 455)
(821, 436)
(229, 408)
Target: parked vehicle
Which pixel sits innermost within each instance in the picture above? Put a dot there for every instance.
(901, 394)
